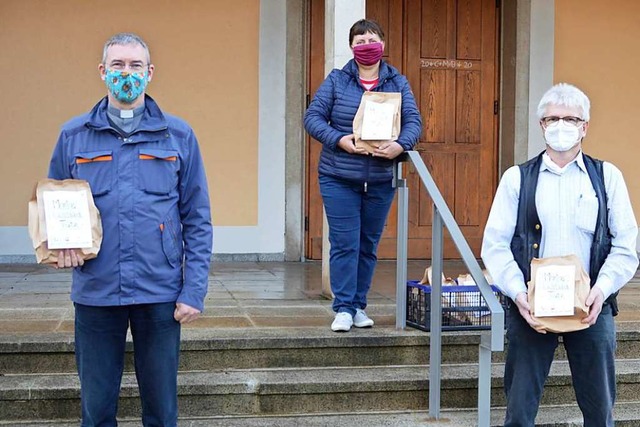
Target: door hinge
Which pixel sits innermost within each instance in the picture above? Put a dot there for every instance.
(495, 107)
(308, 100)
(306, 223)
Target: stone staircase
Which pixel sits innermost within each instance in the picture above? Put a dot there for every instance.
(299, 377)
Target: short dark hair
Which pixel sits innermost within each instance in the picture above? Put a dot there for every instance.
(123, 39)
(365, 26)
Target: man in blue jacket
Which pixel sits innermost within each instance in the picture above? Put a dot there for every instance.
(148, 182)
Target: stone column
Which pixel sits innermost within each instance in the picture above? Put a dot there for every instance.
(339, 16)
(541, 52)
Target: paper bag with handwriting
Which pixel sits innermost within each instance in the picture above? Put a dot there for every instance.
(581, 292)
(71, 211)
(377, 119)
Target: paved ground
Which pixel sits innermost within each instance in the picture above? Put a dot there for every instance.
(35, 298)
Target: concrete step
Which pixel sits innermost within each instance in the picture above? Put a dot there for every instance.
(627, 414)
(251, 348)
(213, 349)
(259, 392)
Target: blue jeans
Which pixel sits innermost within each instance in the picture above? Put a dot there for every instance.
(100, 335)
(591, 355)
(356, 220)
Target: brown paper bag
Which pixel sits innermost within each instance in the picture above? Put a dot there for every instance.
(467, 299)
(38, 227)
(467, 279)
(561, 324)
(426, 278)
(390, 98)
(474, 299)
(448, 299)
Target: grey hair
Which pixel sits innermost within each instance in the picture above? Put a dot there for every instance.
(123, 39)
(566, 95)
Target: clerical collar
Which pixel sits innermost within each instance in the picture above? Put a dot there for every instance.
(125, 114)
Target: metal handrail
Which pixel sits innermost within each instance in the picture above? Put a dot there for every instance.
(492, 340)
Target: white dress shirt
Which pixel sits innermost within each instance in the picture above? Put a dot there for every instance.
(568, 209)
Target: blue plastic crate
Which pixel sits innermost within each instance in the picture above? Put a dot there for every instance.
(463, 307)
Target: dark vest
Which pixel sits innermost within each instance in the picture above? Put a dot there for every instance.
(525, 244)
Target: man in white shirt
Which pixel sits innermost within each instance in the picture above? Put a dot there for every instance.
(562, 202)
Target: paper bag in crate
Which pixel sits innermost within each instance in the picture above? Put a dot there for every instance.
(377, 120)
(474, 299)
(448, 299)
(72, 211)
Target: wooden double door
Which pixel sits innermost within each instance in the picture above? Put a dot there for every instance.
(448, 49)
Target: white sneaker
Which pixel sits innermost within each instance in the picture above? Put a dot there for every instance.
(361, 320)
(342, 322)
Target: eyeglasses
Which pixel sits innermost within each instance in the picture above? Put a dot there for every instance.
(554, 120)
(135, 66)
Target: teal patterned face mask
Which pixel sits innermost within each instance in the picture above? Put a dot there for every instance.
(125, 86)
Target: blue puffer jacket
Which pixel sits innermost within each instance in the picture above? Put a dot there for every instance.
(330, 117)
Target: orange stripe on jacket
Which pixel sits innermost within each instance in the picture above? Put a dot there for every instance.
(80, 160)
(148, 157)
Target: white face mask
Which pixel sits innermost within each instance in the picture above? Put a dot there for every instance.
(562, 136)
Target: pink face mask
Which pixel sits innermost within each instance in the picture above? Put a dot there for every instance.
(368, 54)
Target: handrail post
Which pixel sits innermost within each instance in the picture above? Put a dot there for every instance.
(484, 381)
(435, 336)
(442, 217)
(402, 239)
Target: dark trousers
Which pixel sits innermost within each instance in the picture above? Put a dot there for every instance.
(591, 355)
(356, 219)
(100, 335)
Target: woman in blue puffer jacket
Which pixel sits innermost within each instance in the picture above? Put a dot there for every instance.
(356, 186)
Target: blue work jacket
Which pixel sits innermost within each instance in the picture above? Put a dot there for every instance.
(330, 117)
(151, 191)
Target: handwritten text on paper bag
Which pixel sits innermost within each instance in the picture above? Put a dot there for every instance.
(555, 290)
(67, 219)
